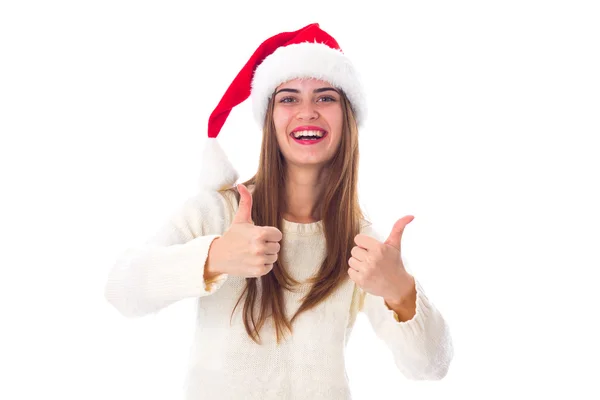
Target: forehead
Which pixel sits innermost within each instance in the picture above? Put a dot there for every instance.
(304, 83)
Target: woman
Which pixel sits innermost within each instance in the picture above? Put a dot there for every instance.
(282, 264)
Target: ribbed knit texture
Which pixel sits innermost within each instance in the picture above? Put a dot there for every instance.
(225, 363)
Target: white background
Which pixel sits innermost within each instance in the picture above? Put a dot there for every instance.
(483, 124)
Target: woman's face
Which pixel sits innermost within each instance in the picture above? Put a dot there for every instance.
(308, 121)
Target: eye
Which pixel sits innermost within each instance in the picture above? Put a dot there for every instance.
(327, 99)
(287, 99)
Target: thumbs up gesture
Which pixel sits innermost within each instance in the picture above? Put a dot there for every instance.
(245, 250)
(377, 267)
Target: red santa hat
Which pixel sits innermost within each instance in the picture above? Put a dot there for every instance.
(309, 52)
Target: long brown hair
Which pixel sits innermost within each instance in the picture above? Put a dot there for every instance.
(340, 213)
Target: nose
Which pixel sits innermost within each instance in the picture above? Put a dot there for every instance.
(307, 111)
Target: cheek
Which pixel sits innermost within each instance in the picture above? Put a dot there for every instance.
(281, 121)
(336, 123)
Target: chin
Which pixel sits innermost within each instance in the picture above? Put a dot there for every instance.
(306, 160)
(309, 163)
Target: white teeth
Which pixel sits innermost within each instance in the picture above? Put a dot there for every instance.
(308, 133)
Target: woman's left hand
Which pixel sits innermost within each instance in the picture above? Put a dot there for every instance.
(377, 267)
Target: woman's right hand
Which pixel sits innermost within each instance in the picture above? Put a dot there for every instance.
(244, 250)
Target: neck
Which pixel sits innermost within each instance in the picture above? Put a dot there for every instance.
(304, 186)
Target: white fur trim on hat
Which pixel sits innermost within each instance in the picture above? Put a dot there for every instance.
(306, 60)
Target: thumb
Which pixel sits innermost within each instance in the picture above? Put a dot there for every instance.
(396, 235)
(244, 212)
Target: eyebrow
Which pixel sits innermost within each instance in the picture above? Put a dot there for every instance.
(319, 90)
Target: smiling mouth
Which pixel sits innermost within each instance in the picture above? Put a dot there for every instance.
(308, 137)
(308, 134)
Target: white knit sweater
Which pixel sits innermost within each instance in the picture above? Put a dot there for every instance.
(225, 363)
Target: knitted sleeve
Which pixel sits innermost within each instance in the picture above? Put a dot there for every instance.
(422, 347)
(169, 266)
